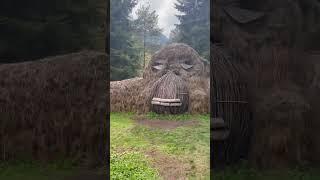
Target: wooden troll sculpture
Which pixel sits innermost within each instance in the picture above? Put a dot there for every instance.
(175, 81)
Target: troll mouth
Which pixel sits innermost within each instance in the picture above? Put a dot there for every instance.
(166, 102)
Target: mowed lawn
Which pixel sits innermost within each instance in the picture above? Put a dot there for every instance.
(159, 146)
(155, 150)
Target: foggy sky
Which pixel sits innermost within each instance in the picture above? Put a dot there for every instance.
(166, 11)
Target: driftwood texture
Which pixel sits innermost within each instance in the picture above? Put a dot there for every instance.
(54, 108)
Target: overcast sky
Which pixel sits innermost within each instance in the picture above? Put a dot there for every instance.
(166, 11)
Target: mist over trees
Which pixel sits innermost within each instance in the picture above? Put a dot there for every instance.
(133, 41)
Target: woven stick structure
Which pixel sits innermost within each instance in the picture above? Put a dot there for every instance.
(230, 102)
(171, 86)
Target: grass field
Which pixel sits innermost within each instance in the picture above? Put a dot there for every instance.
(153, 149)
(169, 147)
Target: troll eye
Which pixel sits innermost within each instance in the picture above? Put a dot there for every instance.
(159, 64)
(158, 67)
(186, 66)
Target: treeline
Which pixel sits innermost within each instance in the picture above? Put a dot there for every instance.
(34, 29)
(132, 41)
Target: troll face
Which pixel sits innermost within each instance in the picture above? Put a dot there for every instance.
(169, 74)
(175, 81)
(178, 58)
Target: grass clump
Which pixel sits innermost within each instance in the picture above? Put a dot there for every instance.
(131, 165)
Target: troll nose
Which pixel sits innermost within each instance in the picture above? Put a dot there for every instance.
(176, 71)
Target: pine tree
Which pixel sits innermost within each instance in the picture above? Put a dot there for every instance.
(146, 25)
(194, 27)
(124, 53)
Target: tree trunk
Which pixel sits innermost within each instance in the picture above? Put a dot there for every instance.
(144, 49)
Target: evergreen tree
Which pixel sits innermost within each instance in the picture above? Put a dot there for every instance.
(124, 53)
(194, 27)
(146, 25)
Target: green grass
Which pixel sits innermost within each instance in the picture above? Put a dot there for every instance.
(179, 117)
(131, 166)
(189, 144)
(130, 144)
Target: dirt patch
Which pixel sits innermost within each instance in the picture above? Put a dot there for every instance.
(165, 124)
(169, 168)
